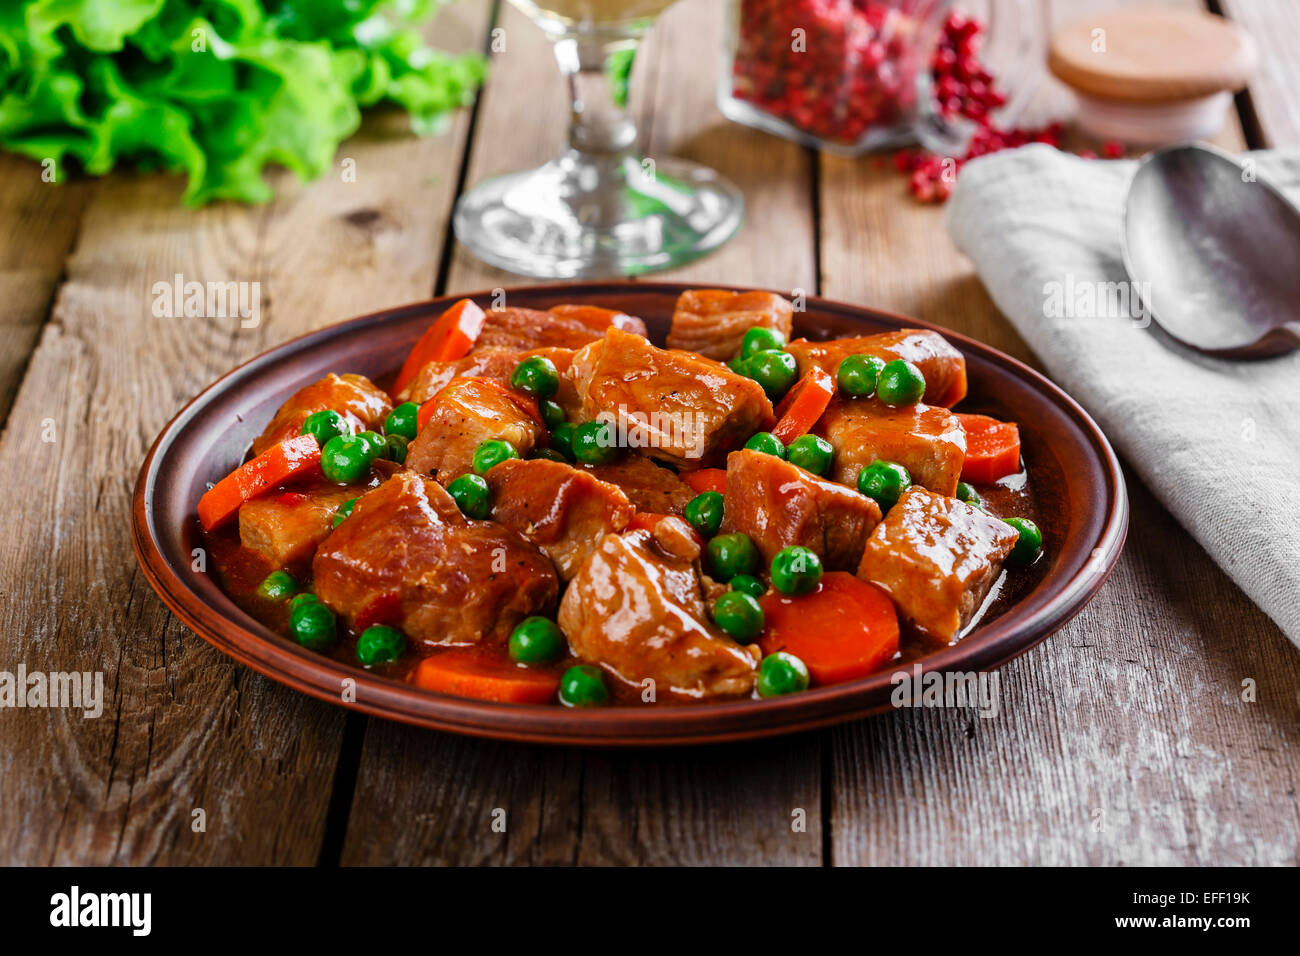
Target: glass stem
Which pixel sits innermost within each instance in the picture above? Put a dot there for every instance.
(597, 71)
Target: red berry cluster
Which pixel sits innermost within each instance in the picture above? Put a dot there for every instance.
(840, 68)
(834, 68)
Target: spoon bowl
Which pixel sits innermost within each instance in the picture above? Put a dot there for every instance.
(1215, 251)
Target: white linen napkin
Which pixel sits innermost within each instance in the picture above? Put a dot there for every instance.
(1218, 442)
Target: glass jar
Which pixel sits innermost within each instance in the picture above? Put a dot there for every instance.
(852, 76)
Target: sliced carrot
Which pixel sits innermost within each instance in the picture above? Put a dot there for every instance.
(288, 459)
(992, 449)
(706, 479)
(593, 316)
(450, 337)
(483, 675)
(803, 405)
(844, 630)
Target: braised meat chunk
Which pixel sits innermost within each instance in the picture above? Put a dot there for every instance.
(936, 557)
(286, 528)
(466, 412)
(523, 329)
(408, 558)
(637, 609)
(942, 365)
(649, 487)
(354, 397)
(713, 322)
(779, 504)
(672, 406)
(926, 440)
(494, 363)
(558, 508)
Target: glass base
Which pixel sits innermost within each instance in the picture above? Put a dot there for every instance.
(582, 216)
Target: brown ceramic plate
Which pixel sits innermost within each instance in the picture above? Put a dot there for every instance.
(1072, 467)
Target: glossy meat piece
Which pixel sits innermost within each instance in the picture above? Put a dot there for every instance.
(494, 363)
(468, 411)
(650, 487)
(713, 321)
(942, 365)
(926, 440)
(286, 528)
(936, 557)
(779, 504)
(407, 557)
(354, 397)
(523, 329)
(674, 407)
(639, 611)
(557, 508)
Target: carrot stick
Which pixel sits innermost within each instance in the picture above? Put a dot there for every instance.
(992, 449)
(803, 405)
(471, 672)
(288, 459)
(706, 479)
(844, 630)
(450, 337)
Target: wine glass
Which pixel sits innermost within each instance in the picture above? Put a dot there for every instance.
(600, 209)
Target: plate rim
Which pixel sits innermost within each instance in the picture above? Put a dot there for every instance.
(690, 724)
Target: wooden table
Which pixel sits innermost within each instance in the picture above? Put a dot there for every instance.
(1123, 739)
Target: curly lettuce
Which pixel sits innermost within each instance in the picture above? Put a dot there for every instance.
(215, 89)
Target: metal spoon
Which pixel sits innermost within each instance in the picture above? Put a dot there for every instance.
(1215, 252)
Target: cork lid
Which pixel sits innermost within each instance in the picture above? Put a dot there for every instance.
(1152, 55)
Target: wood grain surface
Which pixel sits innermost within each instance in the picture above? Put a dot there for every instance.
(1123, 739)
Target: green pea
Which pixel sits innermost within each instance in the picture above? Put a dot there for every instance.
(472, 496)
(375, 444)
(767, 443)
(344, 512)
(760, 339)
(562, 439)
(403, 420)
(885, 481)
(536, 640)
(796, 570)
(1030, 543)
(738, 366)
(550, 454)
(277, 586)
(739, 615)
(552, 414)
(811, 453)
(858, 374)
(967, 493)
(491, 453)
(732, 554)
(537, 376)
(704, 512)
(900, 383)
(326, 425)
(583, 686)
(313, 625)
(346, 459)
(748, 584)
(379, 644)
(781, 673)
(594, 443)
(398, 446)
(306, 597)
(774, 370)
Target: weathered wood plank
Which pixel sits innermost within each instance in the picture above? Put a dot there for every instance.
(1274, 25)
(41, 220)
(720, 805)
(183, 727)
(1132, 710)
